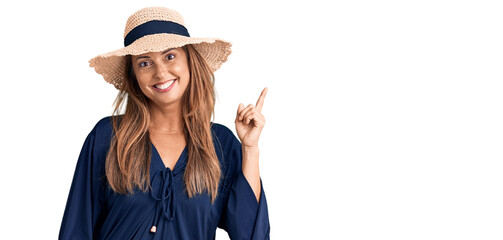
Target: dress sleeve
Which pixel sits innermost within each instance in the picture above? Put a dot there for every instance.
(83, 206)
(243, 216)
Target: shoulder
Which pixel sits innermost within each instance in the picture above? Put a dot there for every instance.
(95, 148)
(103, 124)
(222, 132)
(228, 149)
(224, 138)
(102, 133)
(103, 127)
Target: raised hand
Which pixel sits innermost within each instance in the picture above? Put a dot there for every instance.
(250, 121)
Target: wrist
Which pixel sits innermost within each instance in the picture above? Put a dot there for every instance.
(250, 148)
(250, 156)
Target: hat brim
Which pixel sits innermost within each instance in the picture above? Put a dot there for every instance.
(112, 65)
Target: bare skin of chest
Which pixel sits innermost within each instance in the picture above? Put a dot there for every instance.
(169, 147)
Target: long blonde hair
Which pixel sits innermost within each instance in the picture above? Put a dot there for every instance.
(128, 160)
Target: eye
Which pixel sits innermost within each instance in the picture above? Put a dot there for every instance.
(170, 56)
(144, 64)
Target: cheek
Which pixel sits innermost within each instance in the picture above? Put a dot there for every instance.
(142, 82)
(184, 71)
(142, 78)
(180, 69)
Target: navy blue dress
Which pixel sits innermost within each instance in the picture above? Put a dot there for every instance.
(94, 211)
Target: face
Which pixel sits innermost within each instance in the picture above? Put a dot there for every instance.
(162, 76)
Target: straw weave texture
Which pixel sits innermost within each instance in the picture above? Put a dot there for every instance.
(112, 65)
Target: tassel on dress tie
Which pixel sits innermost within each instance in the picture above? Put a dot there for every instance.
(166, 200)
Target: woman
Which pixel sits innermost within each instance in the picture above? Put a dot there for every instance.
(163, 170)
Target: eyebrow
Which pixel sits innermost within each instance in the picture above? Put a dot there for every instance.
(161, 54)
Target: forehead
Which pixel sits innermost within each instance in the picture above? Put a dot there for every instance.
(151, 54)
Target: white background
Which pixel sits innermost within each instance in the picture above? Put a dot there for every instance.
(384, 118)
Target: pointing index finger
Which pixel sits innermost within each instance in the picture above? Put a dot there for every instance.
(260, 101)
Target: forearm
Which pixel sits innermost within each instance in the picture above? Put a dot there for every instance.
(251, 169)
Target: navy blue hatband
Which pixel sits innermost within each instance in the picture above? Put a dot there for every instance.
(154, 27)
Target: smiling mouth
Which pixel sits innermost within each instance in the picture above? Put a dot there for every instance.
(165, 85)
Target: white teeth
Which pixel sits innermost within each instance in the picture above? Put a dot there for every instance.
(165, 85)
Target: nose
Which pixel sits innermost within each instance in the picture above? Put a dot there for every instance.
(161, 71)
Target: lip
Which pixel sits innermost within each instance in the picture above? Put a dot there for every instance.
(167, 89)
(163, 82)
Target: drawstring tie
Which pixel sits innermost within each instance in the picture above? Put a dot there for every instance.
(165, 197)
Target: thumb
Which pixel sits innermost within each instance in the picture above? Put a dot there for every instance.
(240, 108)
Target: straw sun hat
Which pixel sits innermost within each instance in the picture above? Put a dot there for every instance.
(155, 29)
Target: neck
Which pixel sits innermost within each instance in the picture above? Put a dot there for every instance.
(165, 119)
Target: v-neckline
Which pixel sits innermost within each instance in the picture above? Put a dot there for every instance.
(180, 158)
